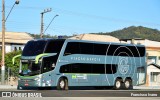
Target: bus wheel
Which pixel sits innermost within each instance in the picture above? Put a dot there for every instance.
(118, 84)
(62, 84)
(128, 84)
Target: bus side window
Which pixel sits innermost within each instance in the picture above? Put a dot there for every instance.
(100, 49)
(54, 47)
(47, 65)
(72, 48)
(75, 68)
(86, 48)
(65, 69)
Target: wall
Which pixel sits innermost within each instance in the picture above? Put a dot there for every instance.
(150, 69)
(17, 47)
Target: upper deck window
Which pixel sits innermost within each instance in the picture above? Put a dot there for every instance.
(54, 46)
(34, 48)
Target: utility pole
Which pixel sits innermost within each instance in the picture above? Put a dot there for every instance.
(42, 24)
(3, 40)
(3, 44)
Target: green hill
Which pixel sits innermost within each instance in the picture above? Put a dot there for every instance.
(135, 32)
(126, 33)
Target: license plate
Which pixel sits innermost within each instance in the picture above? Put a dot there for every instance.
(26, 84)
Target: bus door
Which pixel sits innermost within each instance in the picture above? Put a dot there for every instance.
(47, 67)
(141, 75)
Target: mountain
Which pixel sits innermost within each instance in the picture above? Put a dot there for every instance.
(135, 32)
(126, 33)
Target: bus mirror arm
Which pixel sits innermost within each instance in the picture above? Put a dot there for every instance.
(13, 59)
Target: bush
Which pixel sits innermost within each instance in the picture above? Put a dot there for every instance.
(8, 63)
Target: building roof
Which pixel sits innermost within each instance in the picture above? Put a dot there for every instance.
(95, 37)
(16, 37)
(155, 65)
(150, 43)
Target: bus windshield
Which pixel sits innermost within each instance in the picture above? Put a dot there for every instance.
(33, 48)
(29, 68)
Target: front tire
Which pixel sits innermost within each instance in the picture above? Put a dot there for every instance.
(62, 84)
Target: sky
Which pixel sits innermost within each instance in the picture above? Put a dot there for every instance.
(81, 16)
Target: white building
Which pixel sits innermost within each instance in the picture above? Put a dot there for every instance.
(15, 40)
(153, 75)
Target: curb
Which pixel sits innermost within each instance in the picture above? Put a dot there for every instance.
(8, 86)
(146, 87)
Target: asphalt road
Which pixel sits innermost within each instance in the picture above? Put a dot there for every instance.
(81, 93)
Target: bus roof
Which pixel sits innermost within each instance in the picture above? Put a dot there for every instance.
(87, 41)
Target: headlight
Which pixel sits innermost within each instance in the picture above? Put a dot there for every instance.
(36, 79)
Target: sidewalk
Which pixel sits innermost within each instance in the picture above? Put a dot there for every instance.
(146, 87)
(8, 86)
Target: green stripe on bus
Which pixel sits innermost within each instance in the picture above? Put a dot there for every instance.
(81, 73)
(42, 55)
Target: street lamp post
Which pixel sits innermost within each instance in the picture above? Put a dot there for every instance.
(3, 43)
(45, 11)
(50, 23)
(16, 3)
(3, 40)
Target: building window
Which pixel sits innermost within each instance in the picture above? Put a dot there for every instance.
(154, 76)
(20, 48)
(15, 48)
(151, 59)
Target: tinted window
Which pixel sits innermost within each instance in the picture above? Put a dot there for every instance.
(89, 68)
(72, 48)
(111, 68)
(100, 49)
(49, 63)
(120, 50)
(33, 48)
(86, 48)
(98, 69)
(54, 46)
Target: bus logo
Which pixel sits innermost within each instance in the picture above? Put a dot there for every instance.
(123, 65)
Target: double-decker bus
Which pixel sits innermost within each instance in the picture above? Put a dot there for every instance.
(64, 63)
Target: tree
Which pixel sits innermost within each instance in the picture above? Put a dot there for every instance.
(8, 63)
